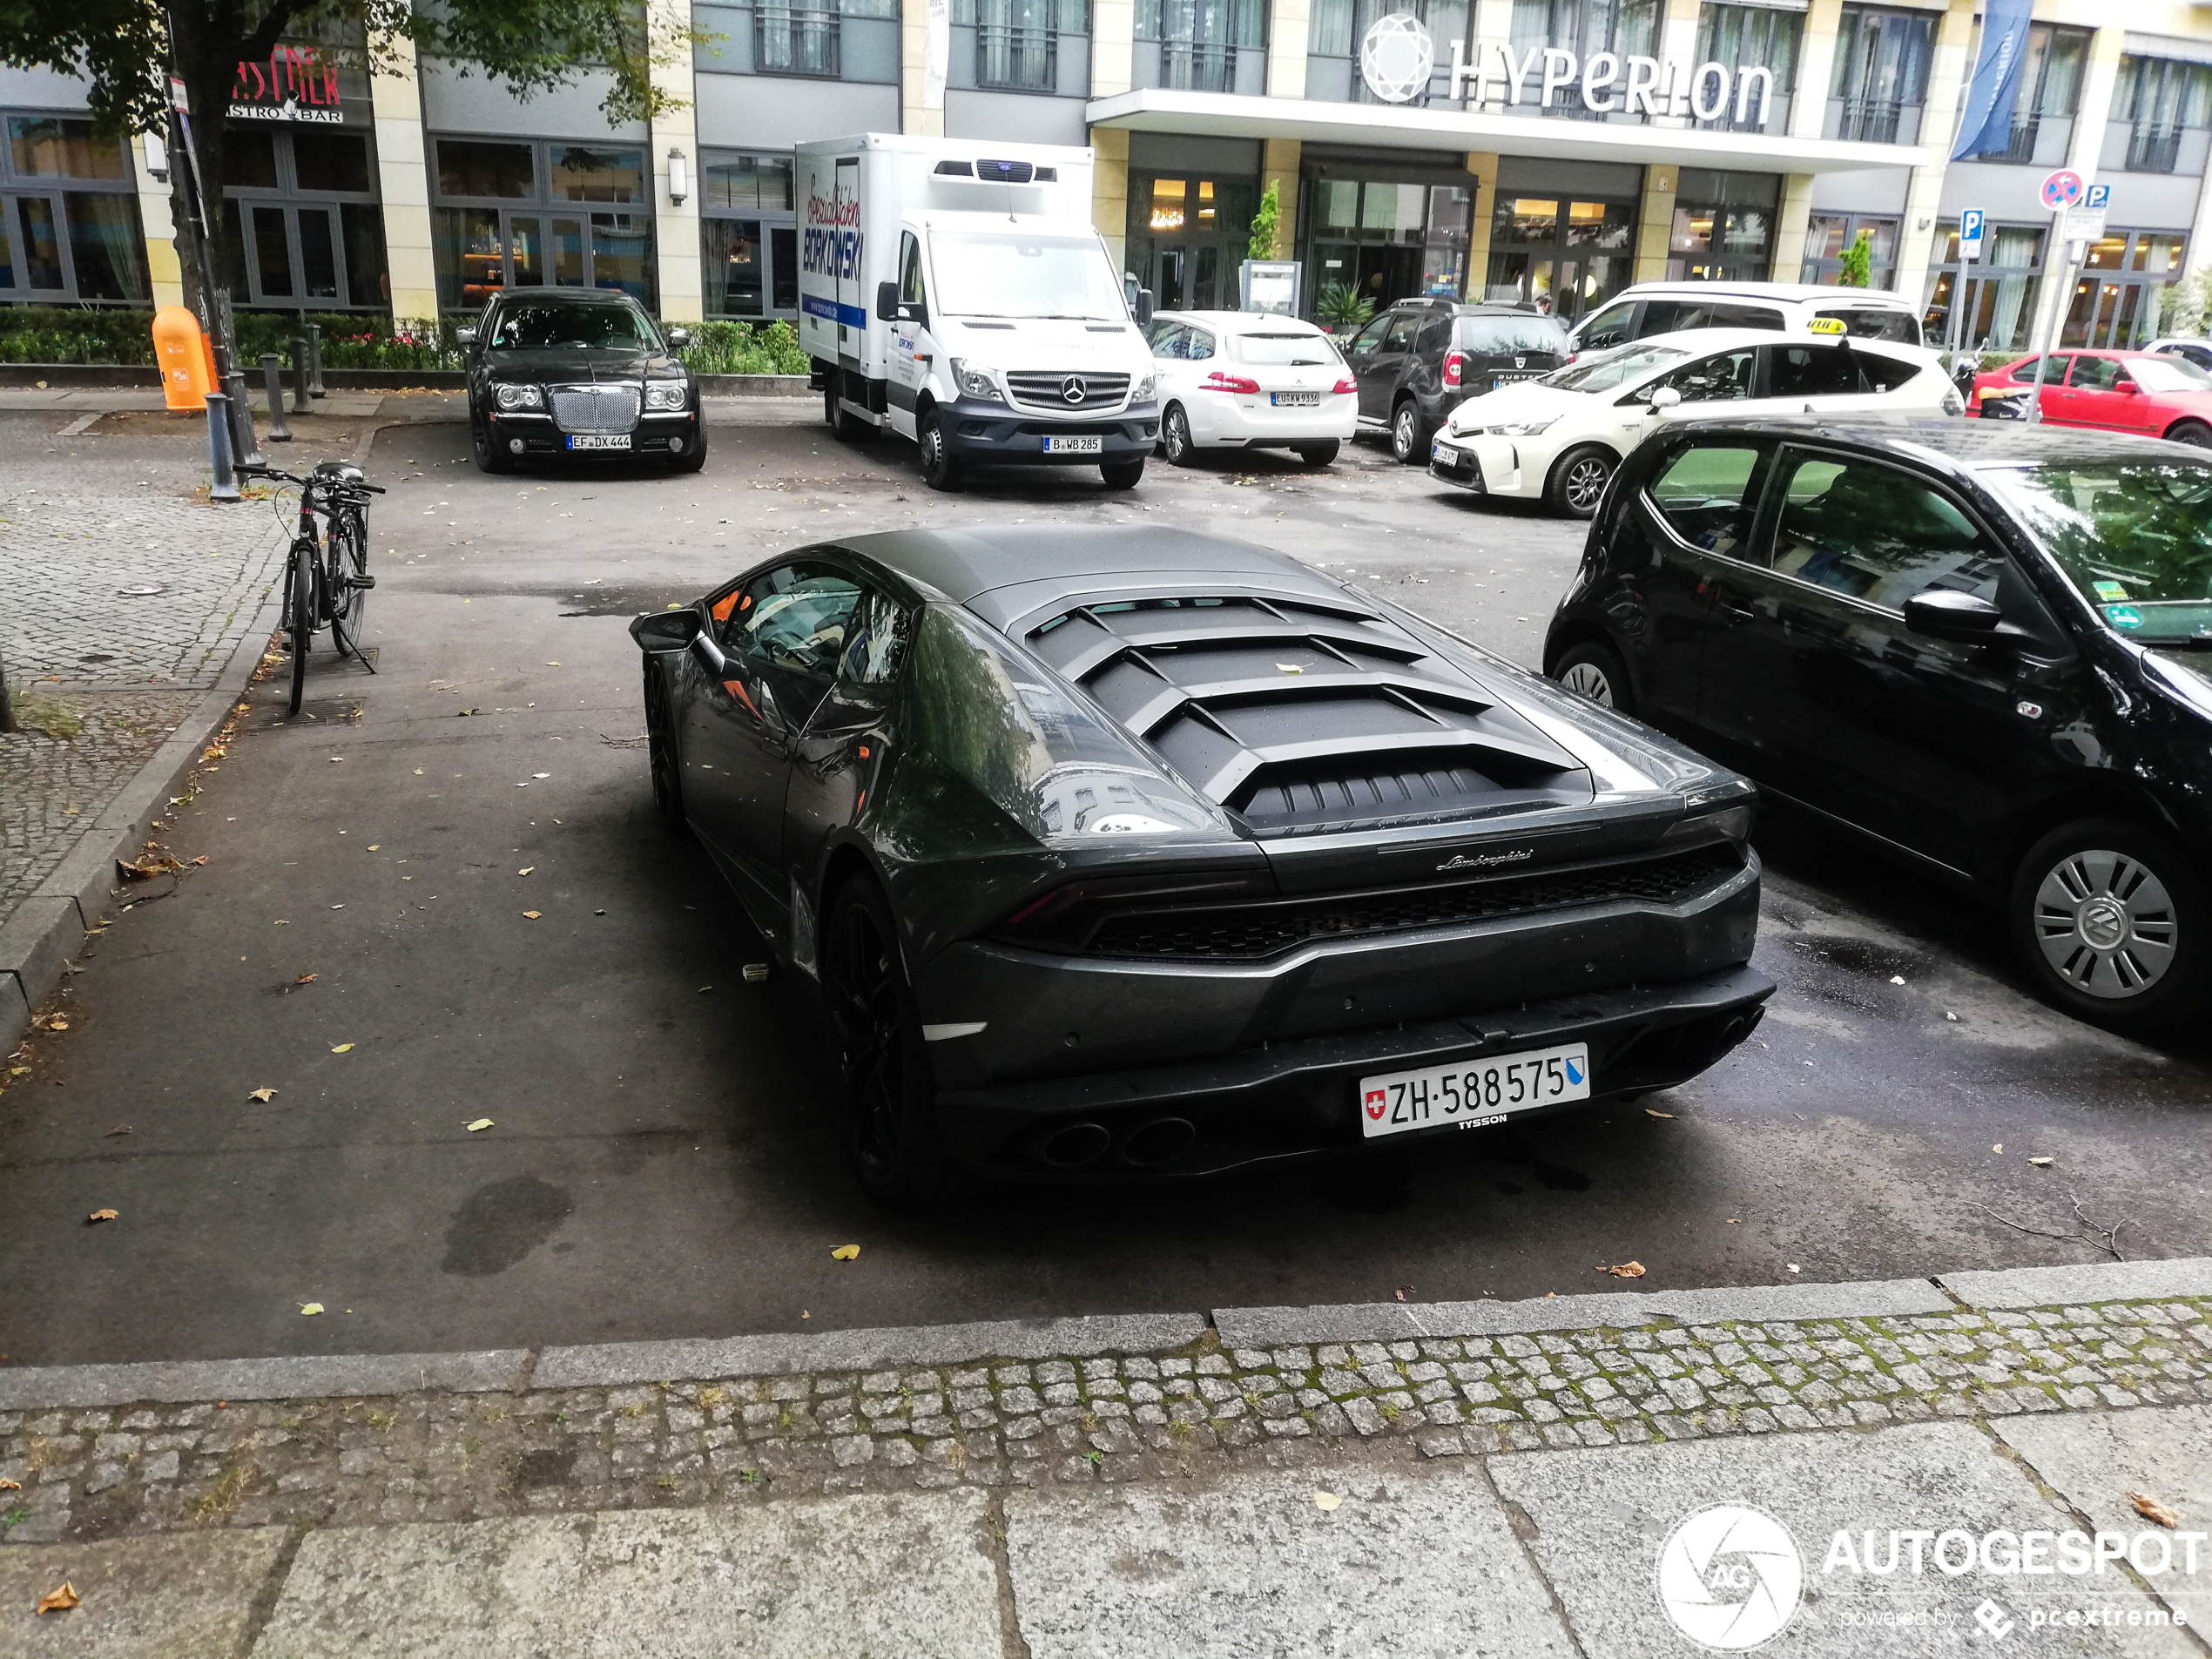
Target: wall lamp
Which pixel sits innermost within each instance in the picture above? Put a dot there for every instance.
(679, 177)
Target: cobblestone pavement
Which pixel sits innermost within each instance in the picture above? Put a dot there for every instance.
(90, 1474)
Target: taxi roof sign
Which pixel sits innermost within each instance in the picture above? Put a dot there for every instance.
(1827, 325)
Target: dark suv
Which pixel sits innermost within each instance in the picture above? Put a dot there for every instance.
(1416, 361)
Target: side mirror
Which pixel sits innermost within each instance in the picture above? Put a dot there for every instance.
(1665, 398)
(678, 339)
(665, 629)
(1144, 307)
(2128, 387)
(887, 302)
(467, 338)
(1946, 613)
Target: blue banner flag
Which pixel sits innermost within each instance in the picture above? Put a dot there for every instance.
(1988, 123)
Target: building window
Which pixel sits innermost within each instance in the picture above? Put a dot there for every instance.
(1187, 236)
(1586, 28)
(2121, 294)
(1881, 81)
(1747, 40)
(1388, 241)
(748, 246)
(1202, 45)
(1829, 234)
(300, 221)
(2166, 108)
(849, 40)
(1996, 294)
(2049, 96)
(1562, 256)
(1723, 228)
(1018, 44)
(540, 212)
(69, 216)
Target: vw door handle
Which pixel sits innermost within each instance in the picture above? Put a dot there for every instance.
(1738, 609)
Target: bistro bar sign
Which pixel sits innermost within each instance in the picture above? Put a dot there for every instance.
(1397, 57)
(291, 85)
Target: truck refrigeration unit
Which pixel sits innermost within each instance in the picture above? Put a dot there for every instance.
(956, 293)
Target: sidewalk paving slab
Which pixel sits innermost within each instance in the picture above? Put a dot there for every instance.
(2051, 1287)
(885, 1577)
(1598, 1519)
(176, 1596)
(1409, 1564)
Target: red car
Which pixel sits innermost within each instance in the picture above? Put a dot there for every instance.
(2153, 393)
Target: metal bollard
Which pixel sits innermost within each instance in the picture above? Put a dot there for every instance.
(244, 443)
(223, 486)
(272, 382)
(298, 373)
(315, 359)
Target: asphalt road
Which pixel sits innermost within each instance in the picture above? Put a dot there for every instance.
(661, 1163)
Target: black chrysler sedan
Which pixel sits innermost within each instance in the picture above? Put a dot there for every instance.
(1119, 854)
(1986, 648)
(579, 371)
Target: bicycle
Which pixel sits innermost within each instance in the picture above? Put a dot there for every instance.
(325, 576)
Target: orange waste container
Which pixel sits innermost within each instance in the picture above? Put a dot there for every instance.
(188, 366)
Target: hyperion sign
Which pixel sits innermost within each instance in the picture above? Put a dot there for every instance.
(1397, 57)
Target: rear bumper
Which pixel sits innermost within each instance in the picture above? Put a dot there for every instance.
(1298, 1099)
(1219, 418)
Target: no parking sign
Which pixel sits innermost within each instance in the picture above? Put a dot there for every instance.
(2062, 189)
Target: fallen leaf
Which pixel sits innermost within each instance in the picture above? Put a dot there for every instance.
(526, 869)
(262, 1094)
(846, 1253)
(308, 1309)
(704, 988)
(202, 858)
(59, 1601)
(7, 1485)
(1998, 1147)
(337, 759)
(375, 847)
(418, 771)
(1735, 1221)
(55, 1023)
(306, 979)
(552, 665)
(2042, 1163)
(342, 1047)
(101, 1214)
(2150, 1509)
(1793, 1267)
(120, 1128)
(533, 914)
(1897, 979)
(541, 775)
(1326, 1501)
(1626, 1270)
(1653, 1111)
(481, 1124)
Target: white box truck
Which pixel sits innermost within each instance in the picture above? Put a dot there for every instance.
(955, 291)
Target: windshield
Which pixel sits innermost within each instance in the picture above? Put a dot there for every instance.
(554, 325)
(2168, 375)
(1512, 336)
(1618, 369)
(1307, 349)
(2135, 536)
(984, 275)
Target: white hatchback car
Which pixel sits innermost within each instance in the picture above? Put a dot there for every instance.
(1651, 308)
(1559, 439)
(1247, 380)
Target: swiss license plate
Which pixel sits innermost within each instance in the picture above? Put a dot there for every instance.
(599, 441)
(1297, 400)
(1081, 444)
(1472, 1093)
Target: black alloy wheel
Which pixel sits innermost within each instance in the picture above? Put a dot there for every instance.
(489, 456)
(888, 1123)
(2111, 920)
(1405, 434)
(1121, 474)
(1578, 481)
(1175, 438)
(938, 469)
(661, 753)
(1594, 671)
(299, 618)
(1319, 455)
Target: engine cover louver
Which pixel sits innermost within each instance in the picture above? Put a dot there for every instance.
(1302, 716)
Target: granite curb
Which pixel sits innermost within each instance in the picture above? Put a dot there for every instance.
(693, 1359)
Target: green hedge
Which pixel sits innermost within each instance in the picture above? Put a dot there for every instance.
(745, 349)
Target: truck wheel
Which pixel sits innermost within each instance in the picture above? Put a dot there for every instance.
(938, 469)
(1123, 474)
(849, 428)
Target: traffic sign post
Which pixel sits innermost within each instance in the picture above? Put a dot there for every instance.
(1970, 230)
(2073, 202)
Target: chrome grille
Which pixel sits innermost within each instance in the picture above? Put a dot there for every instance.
(1041, 390)
(595, 409)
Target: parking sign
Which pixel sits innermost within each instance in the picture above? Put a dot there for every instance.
(1970, 223)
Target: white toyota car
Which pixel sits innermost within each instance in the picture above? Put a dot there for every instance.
(1249, 380)
(1558, 439)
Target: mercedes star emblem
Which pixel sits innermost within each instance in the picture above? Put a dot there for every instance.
(1072, 389)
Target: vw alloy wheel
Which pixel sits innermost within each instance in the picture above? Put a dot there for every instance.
(1587, 679)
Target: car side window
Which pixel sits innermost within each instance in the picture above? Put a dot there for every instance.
(1364, 343)
(2095, 373)
(1401, 332)
(1610, 328)
(1744, 317)
(1877, 534)
(1711, 380)
(1665, 316)
(2024, 372)
(875, 640)
(1885, 373)
(1435, 337)
(910, 284)
(1167, 339)
(1811, 371)
(793, 621)
(1709, 493)
(1197, 344)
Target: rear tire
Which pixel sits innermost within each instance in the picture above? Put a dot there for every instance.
(850, 429)
(2191, 432)
(2112, 922)
(888, 1121)
(1408, 433)
(1594, 671)
(938, 469)
(1123, 474)
(661, 758)
(1175, 438)
(1319, 455)
(350, 557)
(1578, 481)
(301, 591)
